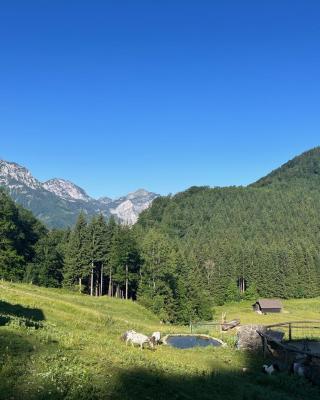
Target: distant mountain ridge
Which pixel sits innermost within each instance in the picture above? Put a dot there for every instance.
(66, 189)
(57, 202)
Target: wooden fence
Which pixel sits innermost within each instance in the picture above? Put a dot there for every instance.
(296, 330)
(298, 337)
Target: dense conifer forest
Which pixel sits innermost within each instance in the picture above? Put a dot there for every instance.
(188, 252)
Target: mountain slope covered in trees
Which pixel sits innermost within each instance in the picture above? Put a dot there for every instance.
(264, 238)
(20, 232)
(304, 169)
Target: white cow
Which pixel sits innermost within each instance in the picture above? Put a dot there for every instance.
(138, 338)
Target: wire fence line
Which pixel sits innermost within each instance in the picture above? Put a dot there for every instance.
(214, 326)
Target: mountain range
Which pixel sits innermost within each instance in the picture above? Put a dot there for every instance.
(57, 202)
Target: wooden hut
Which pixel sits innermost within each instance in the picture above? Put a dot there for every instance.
(267, 306)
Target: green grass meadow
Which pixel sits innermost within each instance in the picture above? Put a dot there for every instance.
(56, 344)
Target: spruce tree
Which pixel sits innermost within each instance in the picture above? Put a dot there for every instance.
(77, 258)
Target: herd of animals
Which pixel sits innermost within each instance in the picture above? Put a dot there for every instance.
(301, 367)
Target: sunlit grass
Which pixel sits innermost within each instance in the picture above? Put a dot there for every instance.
(293, 310)
(77, 354)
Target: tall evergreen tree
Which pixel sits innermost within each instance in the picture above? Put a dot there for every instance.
(97, 248)
(46, 268)
(77, 258)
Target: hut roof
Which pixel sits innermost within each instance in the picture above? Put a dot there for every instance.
(270, 303)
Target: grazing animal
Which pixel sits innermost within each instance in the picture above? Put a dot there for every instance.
(155, 337)
(125, 334)
(270, 369)
(139, 339)
(153, 341)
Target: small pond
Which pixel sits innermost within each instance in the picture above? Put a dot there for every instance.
(189, 341)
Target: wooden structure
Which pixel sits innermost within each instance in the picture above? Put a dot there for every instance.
(226, 326)
(299, 342)
(214, 326)
(308, 330)
(268, 306)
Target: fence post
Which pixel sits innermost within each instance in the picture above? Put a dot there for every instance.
(290, 331)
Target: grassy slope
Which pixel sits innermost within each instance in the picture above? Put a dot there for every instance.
(293, 310)
(77, 354)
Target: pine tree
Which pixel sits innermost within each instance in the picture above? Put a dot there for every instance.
(77, 259)
(97, 250)
(251, 293)
(125, 259)
(111, 231)
(47, 265)
(232, 293)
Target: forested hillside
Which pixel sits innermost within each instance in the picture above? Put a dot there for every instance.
(188, 252)
(262, 239)
(304, 169)
(19, 234)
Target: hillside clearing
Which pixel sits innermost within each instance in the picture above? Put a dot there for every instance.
(73, 351)
(297, 309)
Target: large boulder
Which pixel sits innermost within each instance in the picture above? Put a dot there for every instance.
(248, 337)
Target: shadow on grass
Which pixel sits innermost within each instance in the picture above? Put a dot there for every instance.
(27, 316)
(218, 385)
(223, 381)
(15, 351)
(16, 346)
(20, 353)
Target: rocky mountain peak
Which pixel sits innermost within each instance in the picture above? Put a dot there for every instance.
(66, 189)
(128, 208)
(105, 200)
(138, 193)
(15, 176)
(58, 201)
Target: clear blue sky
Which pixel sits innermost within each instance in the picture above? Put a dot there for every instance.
(118, 95)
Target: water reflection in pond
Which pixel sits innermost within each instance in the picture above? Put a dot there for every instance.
(187, 342)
